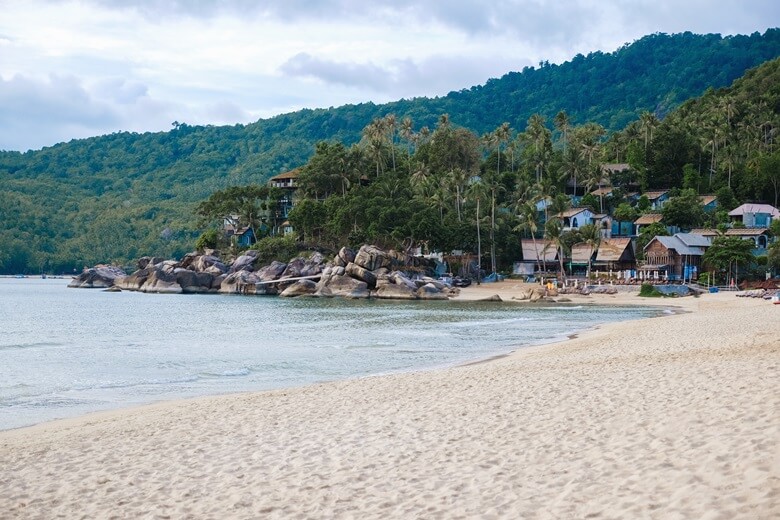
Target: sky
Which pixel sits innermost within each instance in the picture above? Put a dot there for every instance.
(75, 69)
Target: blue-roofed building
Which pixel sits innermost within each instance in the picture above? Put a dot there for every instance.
(675, 257)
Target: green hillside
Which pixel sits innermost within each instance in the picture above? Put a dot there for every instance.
(116, 197)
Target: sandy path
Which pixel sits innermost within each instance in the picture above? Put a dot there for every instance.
(673, 417)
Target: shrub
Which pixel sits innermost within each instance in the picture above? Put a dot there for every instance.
(649, 291)
(276, 248)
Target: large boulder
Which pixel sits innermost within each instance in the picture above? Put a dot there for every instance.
(245, 262)
(207, 263)
(148, 261)
(344, 256)
(194, 283)
(300, 288)
(99, 277)
(241, 282)
(135, 281)
(429, 291)
(344, 286)
(293, 268)
(399, 278)
(314, 265)
(372, 258)
(271, 272)
(391, 291)
(356, 271)
(161, 281)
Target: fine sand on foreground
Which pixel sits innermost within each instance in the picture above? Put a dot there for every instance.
(676, 417)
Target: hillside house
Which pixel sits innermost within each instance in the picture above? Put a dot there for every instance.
(760, 236)
(575, 218)
(709, 203)
(604, 223)
(646, 220)
(288, 183)
(755, 215)
(657, 199)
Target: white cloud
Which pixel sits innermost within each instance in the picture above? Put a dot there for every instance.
(74, 68)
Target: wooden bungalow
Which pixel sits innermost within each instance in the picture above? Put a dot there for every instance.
(615, 254)
(543, 250)
(581, 257)
(671, 258)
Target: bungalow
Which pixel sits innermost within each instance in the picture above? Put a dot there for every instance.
(646, 220)
(581, 256)
(287, 180)
(575, 218)
(709, 202)
(761, 237)
(243, 236)
(541, 252)
(657, 198)
(615, 254)
(673, 258)
(755, 215)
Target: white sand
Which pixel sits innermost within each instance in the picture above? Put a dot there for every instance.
(672, 417)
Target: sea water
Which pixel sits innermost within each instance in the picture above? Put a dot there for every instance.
(65, 352)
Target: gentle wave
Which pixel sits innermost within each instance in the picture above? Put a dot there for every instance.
(20, 346)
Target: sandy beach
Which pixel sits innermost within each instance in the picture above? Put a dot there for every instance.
(676, 417)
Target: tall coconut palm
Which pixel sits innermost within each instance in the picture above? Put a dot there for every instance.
(477, 191)
(649, 122)
(529, 223)
(407, 134)
(553, 231)
(591, 235)
(390, 124)
(563, 124)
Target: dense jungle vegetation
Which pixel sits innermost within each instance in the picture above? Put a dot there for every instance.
(432, 169)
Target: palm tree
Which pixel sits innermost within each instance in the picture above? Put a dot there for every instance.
(528, 223)
(458, 178)
(407, 134)
(477, 192)
(390, 126)
(563, 124)
(553, 231)
(374, 134)
(591, 235)
(648, 122)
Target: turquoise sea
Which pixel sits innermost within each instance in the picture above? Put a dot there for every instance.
(65, 352)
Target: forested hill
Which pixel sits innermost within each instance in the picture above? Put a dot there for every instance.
(116, 197)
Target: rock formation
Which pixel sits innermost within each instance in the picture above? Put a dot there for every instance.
(368, 272)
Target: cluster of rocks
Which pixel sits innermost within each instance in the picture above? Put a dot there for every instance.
(765, 294)
(366, 273)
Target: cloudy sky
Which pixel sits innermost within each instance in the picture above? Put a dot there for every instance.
(72, 69)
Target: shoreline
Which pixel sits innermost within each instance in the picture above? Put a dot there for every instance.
(623, 420)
